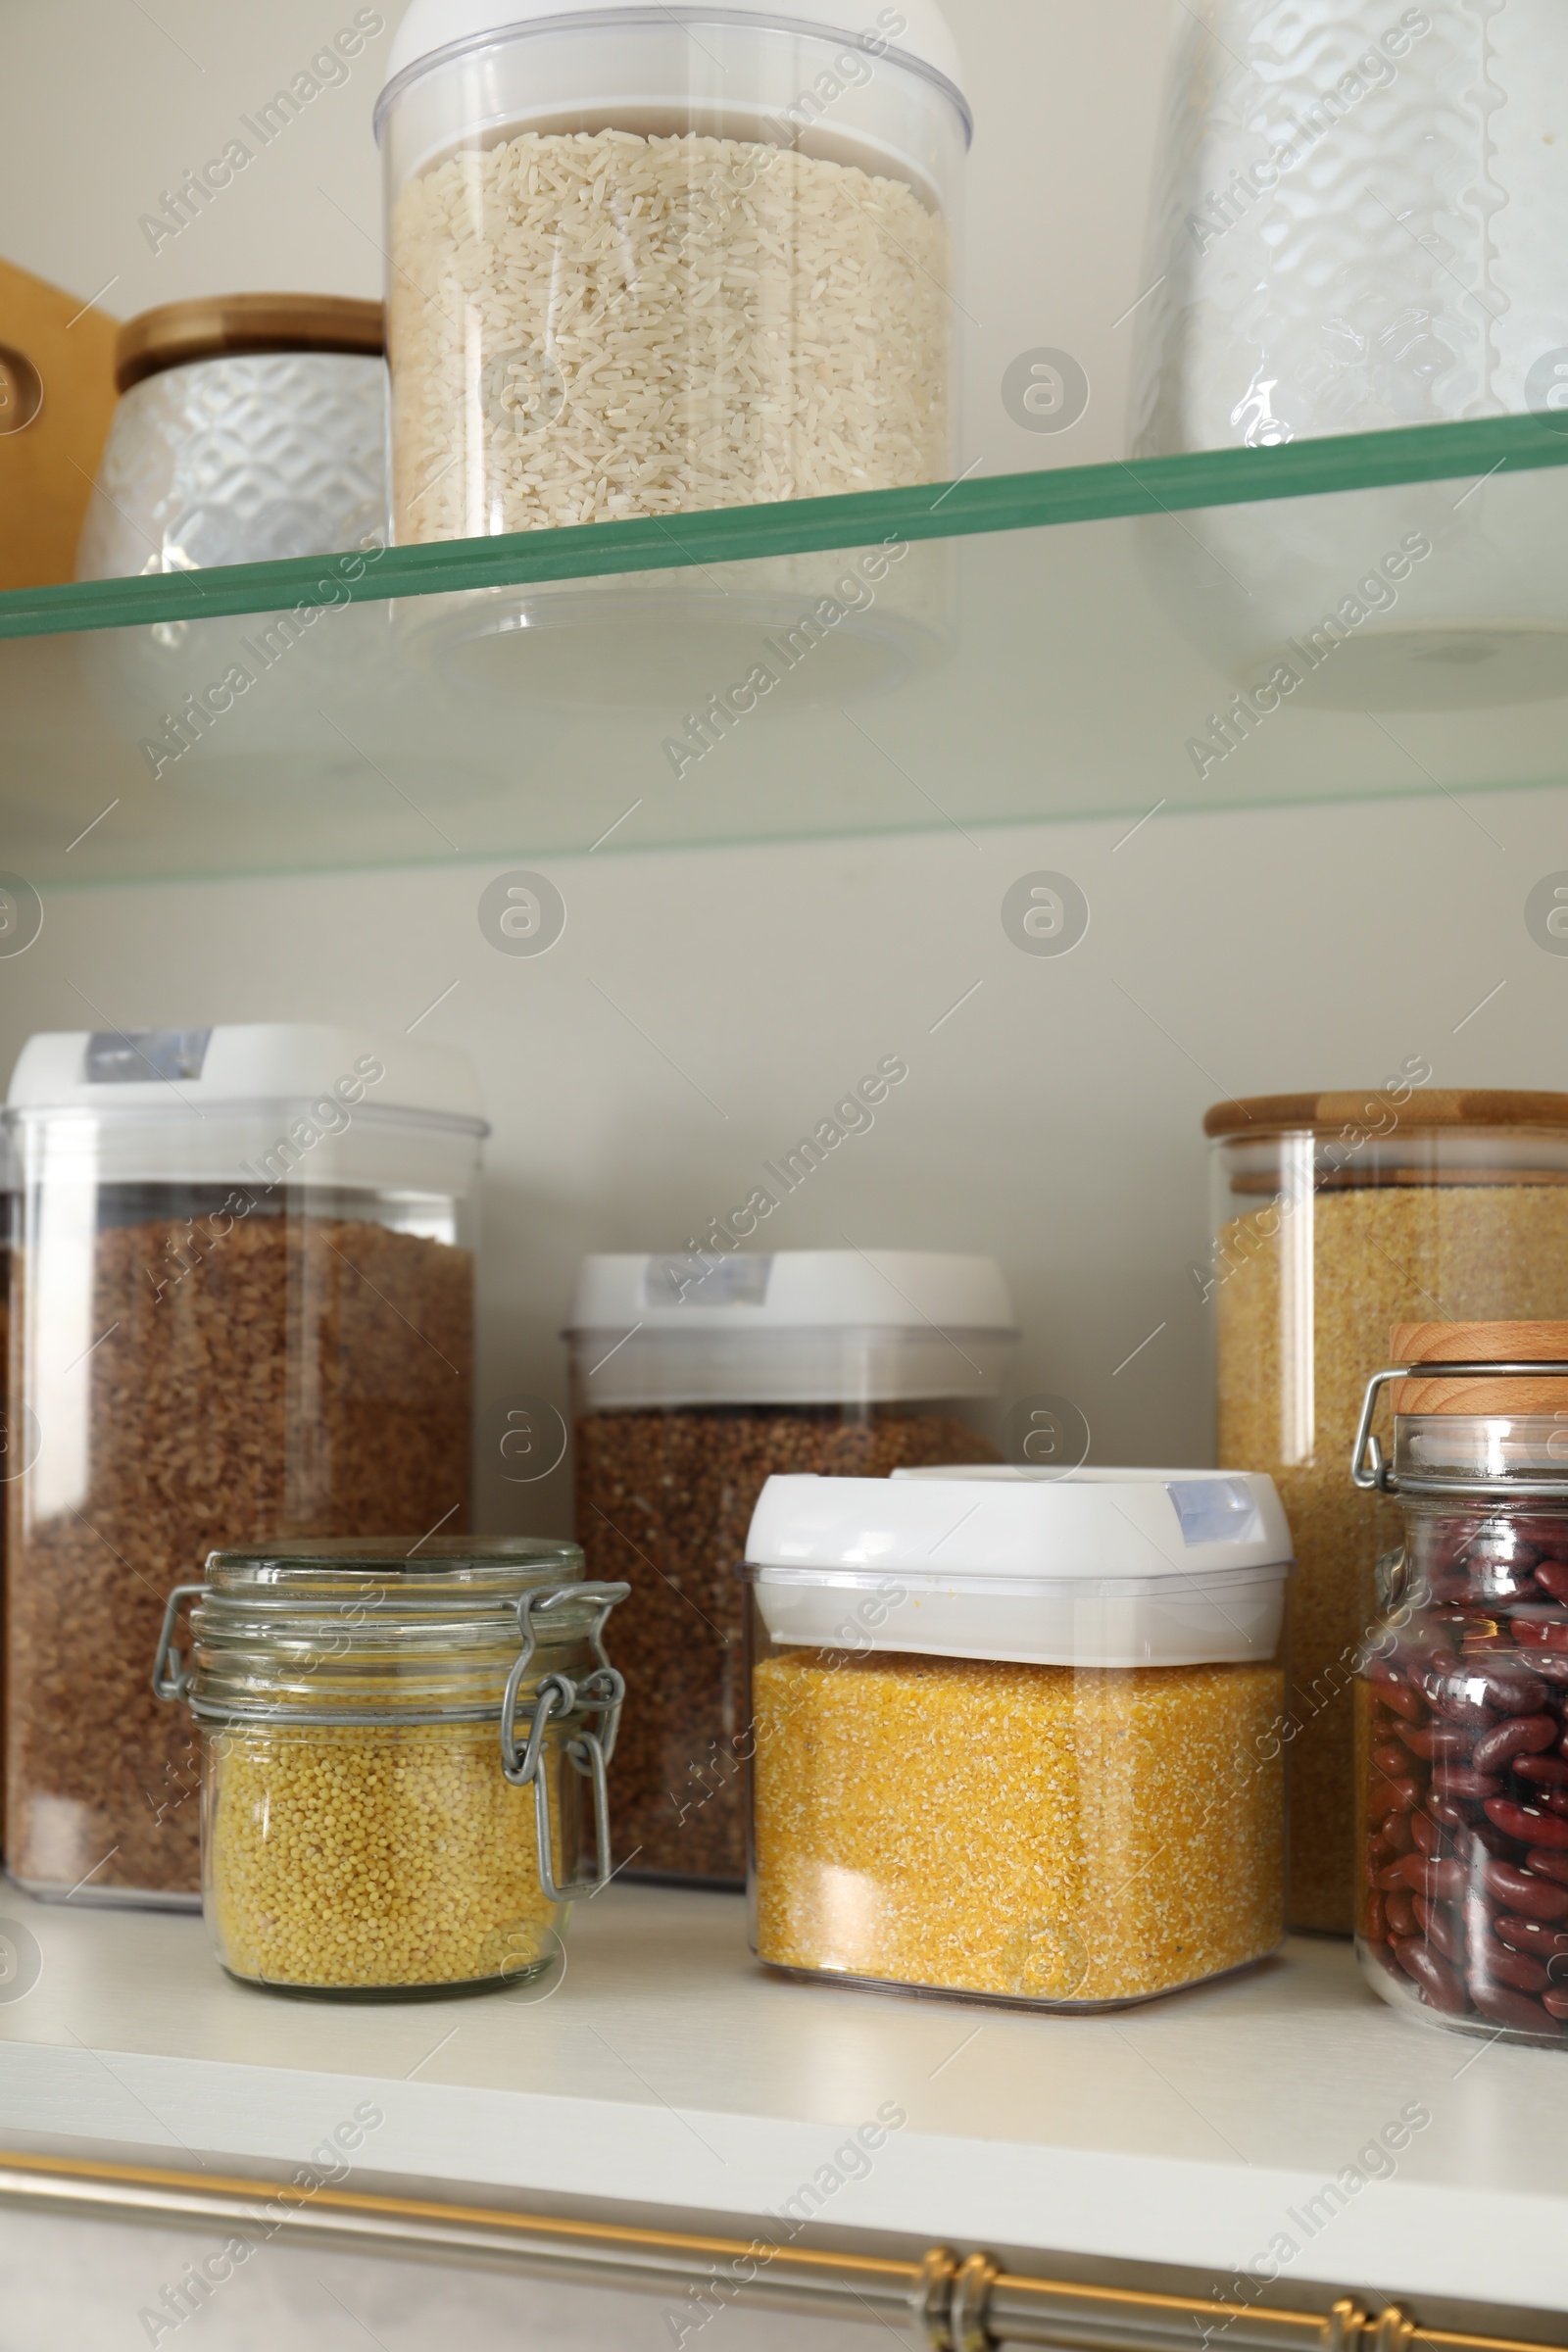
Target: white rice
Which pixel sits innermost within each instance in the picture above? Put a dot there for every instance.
(586, 327)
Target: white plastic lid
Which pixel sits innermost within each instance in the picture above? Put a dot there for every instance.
(431, 25)
(1102, 1568)
(802, 1327)
(242, 1064)
(791, 1290)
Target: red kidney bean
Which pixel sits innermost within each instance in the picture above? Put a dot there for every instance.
(1549, 1535)
(1451, 1696)
(1426, 1835)
(1397, 1833)
(1547, 1771)
(1529, 1936)
(1549, 1664)
(1403, 1796)
(1396, 1694)
(1394, 1762)
(1505, 2007)
(1442, 1984)
(1399, 1909)
(1556, 1800)
(1549, 1634)
(1523, 1893)
(1552, 1577)
(1440, 1881)
(1502, 1967)
(1486, 1839)
(1543, 1863)
(1555, 2002)
(1527, 1823)
(1512, 1690)
(1437, 1742)
(1519, 1736)
(1443, 1809)
(1459, 1780)
(1441, 1927)
(1376, 1928)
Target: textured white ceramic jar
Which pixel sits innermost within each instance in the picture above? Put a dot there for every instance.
(237, 455)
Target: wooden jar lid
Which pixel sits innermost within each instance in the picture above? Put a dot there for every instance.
(178, 333)
(1426, 1107)
(1432, 1345)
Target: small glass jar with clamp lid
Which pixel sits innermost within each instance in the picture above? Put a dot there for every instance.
(396, 1738)
(1462, 1697)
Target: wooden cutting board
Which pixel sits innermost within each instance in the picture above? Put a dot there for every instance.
(57, 395)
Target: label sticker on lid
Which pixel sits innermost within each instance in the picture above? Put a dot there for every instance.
(124, 1057)
(1216, 1510)
(704, 1278)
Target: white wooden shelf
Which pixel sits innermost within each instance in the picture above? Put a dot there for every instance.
(667, 2071)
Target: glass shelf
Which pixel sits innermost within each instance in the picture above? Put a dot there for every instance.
(1369, 614)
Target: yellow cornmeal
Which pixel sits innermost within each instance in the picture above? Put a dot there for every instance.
(1039, 1832)
(341, 1857)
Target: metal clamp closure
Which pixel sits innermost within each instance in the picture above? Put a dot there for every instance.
(588, 1751)
(171, 1674)
(1369, 1468)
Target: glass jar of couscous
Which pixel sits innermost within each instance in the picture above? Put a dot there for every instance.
(402, 1743)
(1017, 1737)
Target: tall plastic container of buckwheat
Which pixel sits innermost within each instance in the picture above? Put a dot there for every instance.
(647, 260)
(241, 1308)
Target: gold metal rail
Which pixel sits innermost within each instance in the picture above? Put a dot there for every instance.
(946, 2303)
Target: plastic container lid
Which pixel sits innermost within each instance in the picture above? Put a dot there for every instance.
(240, 1065)
(1102, 1568)
(799, 1327)
(431, 25)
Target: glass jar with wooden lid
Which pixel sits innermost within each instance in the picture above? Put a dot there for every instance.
(1463, 1696)
(1335, 1215)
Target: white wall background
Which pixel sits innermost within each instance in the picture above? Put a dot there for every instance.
(1053, 1120)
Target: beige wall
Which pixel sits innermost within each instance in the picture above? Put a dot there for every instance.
(1053, 1120)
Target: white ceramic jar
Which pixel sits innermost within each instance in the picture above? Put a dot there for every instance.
(649, 259)
(1357, 222)
(248, 427)
(1357, 226)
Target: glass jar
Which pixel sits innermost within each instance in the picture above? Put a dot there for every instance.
(386, 1732)
(1018, 1737)
(242, 1306)
(695, 1378)
(1463, 1694)
(250, 426)
(645, 259)
(1335, 1215)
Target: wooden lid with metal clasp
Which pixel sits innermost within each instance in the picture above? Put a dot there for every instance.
(1505, 1371)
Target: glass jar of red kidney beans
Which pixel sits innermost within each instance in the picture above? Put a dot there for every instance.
(1463, 1683)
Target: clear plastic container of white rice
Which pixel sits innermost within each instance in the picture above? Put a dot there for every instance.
(651, 259)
